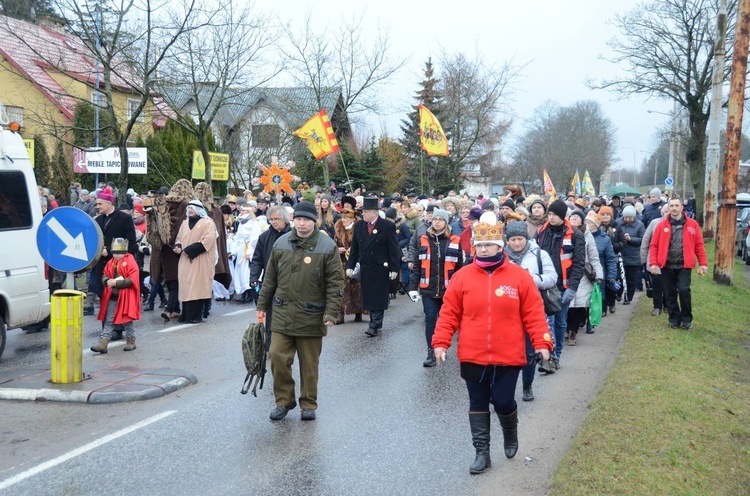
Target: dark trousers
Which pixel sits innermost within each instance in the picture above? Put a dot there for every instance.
(527, 375)
(677, 283)
(431, 310)
(376, 319)
(497, 386)
(307, 349)
(657, 290)
(173, 303)
(576, 315)
(631, 278)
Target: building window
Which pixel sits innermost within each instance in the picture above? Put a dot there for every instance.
(98, 99)
(15, 114)
(133, 108)
(266, 136)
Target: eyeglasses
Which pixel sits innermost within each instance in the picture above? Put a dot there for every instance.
(275, 219)
(484, 246)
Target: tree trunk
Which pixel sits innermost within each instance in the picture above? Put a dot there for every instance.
(695, 158)
(203, 144)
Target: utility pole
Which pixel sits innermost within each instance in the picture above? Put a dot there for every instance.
(673, 150)
(656, 169)
(726, 229)
(713, 150)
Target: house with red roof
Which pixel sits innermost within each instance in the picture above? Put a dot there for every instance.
(45, 72)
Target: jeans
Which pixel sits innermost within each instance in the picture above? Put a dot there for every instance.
(157, 288)
(560, 327)
(376, 319)
(497, 387)
(677, 283)
(431, 309)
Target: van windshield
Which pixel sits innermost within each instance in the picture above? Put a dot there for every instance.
(15, 210)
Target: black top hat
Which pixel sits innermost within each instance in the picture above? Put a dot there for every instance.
(370, 203)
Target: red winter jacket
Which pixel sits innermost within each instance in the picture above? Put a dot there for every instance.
(692, 244)
(493, 312)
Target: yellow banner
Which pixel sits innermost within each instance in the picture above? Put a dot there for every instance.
(431, 134)
(219, 166)
(319, 136)
(30, 148)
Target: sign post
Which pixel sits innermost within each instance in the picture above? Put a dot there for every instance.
(69, 241)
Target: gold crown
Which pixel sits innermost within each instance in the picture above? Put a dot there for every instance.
(119, 245)
(487, 232)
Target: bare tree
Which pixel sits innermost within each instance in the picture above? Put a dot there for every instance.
(475, 113)
(666, 49)
(216, 65)
(562, 139)
(342, 58)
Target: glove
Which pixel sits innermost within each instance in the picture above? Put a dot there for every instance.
(349, 272)
(568, 296)
(599, 281)
(414, 295)
(393, 275)
(612, 285)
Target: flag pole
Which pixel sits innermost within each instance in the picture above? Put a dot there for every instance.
(421, 171)
(341, 155)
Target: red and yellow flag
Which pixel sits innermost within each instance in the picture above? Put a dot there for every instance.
(431, 133)
(318, 133)
(549, 189)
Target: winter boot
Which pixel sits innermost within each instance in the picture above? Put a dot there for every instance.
(129, 344)
(357, 317)
(101, 347)
(480, 437)
(528, 393)
(430, 360)
(509, 423)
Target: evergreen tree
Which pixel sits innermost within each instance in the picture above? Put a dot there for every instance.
(371, 169)
(84, 127)
(353, 167)
(27, 10)
(421, 169)
(42, 169)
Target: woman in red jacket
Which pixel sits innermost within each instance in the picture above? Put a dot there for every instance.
(494, 303)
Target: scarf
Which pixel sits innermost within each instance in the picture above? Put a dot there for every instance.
(490, 263)
(516, 256)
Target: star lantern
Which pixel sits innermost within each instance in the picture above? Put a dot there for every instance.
(275, 178)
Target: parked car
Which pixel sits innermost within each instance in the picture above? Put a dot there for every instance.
(745, 256)
(743, 229)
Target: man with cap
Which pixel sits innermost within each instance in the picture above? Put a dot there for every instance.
(113, 224)
(652, 210)
(375, 247)
(304, 283)
(508, 207)
(566, 246)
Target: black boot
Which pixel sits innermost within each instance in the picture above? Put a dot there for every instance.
(430, 360)
(480, 437)
(509, 423)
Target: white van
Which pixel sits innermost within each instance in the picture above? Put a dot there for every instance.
(24, 291)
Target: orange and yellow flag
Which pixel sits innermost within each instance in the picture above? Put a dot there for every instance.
(549, 189)
(431, 133)
(318, 133)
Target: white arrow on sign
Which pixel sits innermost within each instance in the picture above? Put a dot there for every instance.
(74, 247)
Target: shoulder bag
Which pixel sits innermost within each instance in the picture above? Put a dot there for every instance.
(551, 297)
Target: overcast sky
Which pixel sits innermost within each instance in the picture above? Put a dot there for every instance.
(561, 42)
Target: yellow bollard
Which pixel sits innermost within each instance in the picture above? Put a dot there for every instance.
(66, 328)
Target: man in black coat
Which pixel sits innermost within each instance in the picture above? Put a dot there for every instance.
(114, 224)
(375, 247)
(279, 220)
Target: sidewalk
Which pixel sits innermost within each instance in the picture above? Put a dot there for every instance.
(101, 384)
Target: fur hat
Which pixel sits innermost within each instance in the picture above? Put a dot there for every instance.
(348, 213)
(559, 208)
(349, 200)
(306, 209)
(594, 218)
(518, 228)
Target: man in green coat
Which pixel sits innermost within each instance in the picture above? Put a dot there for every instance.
(304, 282)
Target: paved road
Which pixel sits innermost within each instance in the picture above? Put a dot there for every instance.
(385, 424)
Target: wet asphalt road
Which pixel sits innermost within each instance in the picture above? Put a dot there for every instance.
(385, 424)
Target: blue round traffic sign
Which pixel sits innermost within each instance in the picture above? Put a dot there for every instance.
(668, 181)
(69, 240)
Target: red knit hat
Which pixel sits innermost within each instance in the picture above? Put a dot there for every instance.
(106, 194)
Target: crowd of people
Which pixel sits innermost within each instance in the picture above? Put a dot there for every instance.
(520, 277)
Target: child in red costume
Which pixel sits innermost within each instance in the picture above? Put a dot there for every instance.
(121, 298)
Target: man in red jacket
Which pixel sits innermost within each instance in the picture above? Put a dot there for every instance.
(676, 244)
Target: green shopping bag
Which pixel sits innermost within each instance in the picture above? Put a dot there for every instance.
(595, 307)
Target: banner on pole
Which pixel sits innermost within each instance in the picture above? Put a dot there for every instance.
(107, 161)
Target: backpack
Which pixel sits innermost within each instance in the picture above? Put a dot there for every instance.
(254, 353)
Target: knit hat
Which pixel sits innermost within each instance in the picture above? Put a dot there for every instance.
(628, 211)
(387, 203)
(559, 208)
(518, 228)
(431, 207)
(594, 218)
(475, 213)
(106, 194)
(123, 206)
(139, 208)
(510, 204)
(655, 192)
(306, 209)
(132, 193)
(576, 213)
(391, 213)
(538, 201)
(84, 192)
(488, 230)
(606, 210)
(439, 212)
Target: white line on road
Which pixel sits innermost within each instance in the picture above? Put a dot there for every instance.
(238, 312)
(177, 327)
(80, 451)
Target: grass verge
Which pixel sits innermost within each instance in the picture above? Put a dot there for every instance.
(673, 414)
